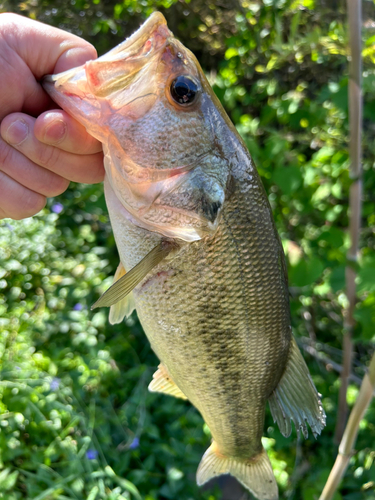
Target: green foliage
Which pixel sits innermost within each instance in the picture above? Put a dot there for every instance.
(76, 419)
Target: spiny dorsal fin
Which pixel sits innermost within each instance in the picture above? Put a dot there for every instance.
(295, 398)
(162, 382)
(254, 473)
(125, 306)
(127, 283)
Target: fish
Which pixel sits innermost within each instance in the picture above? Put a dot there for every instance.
(200, 257)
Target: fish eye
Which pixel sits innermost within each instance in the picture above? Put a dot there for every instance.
(184, 90)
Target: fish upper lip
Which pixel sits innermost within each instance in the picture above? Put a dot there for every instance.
(138, 39)
(141, 36)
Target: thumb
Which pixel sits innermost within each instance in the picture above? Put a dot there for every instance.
(74, 56)
(33, 50)
(45, 49)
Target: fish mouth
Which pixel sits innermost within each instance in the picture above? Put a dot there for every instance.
(116, 69)
(153, 31)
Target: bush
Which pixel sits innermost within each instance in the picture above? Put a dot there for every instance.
(76, 418)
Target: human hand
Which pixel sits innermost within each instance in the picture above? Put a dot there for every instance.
(39, 156)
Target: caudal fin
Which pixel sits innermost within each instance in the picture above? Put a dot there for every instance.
(255, 473)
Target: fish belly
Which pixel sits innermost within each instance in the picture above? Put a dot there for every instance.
(217, 315)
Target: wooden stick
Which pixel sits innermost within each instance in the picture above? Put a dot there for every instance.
(355, 199)
(328, 362)
(350, 435)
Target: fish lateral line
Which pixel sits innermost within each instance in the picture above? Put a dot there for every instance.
(122, 287)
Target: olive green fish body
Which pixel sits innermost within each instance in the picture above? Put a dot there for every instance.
(217, 314)
(200, 258)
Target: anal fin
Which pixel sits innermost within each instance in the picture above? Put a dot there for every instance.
(254, 473)
(124, 308)
(162, 382)
(296, 398)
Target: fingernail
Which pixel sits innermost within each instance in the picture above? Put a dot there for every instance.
(78, 55)
(17, 132)
(55, 132)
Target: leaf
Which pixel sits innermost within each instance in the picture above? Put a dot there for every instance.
(369, 111)
(124, 483)
(333, 236)
(337, 279)
(366, 277)
(231, 52)
(306, 272)
(364, 314)
(7, 481)
(340, 98)
(289, 179)
(324, 155)
(92, 495)
(322, 192)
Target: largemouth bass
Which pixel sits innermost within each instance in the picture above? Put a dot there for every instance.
(200, 258)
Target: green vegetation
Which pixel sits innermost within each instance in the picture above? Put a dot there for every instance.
(76, 419)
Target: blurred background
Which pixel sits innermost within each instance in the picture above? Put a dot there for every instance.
(76, 419)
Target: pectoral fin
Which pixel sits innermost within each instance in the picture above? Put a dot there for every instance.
(296, 398)
(162, 382)
(130, 280)
(125, 306)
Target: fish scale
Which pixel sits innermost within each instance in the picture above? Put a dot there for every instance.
(240, 321)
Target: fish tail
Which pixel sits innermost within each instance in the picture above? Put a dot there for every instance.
(255, 474)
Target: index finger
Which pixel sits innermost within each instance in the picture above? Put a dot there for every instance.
(59, 129)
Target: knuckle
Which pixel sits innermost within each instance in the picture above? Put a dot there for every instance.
(3, 214)
(18, 202)
(89, 146)
(58, 186)
(5, 153)
(31, 204)
(48, 157)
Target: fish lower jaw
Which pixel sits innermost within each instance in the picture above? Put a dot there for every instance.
(187, 234)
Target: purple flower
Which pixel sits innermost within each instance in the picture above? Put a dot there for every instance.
(78, 307)
(134, 444)
(57, 208)
(91, 454)
(55, 384)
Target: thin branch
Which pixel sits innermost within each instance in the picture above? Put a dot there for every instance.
(351, 431)
(345, 375)
(355, 198)
(328, 362)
